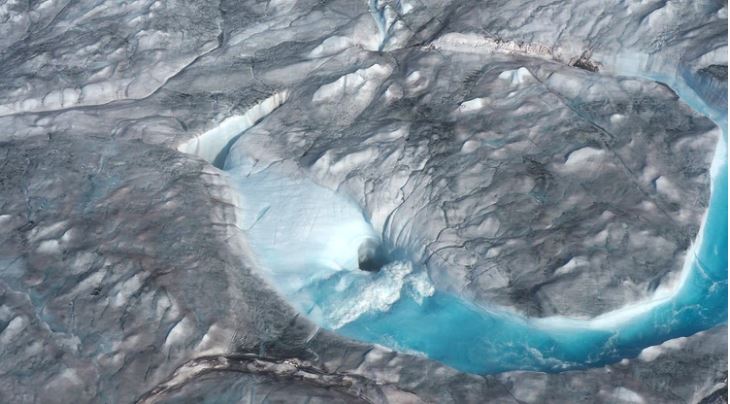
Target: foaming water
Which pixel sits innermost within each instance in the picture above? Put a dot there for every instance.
(306, 239)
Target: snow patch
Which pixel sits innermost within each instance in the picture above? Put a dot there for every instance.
(331, 46)
(473, 105)
(394, 93)
(13, 329)
(49, 247)
(416, 82)
(584, 156)
(126, 289)
(572, 265)
(469, 146)
(665, 186)
(518, 76)
(651, 353)
(624, 395)
(215, 341)
(179, 332)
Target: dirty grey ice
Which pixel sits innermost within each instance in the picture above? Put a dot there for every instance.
(530, 155)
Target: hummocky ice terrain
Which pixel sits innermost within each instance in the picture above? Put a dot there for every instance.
(547, 158)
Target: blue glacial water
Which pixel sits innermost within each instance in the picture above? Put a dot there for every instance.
(305, 238)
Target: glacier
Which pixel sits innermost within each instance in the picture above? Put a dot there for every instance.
(379, 201)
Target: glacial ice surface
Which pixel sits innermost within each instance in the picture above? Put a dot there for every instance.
(517, 158)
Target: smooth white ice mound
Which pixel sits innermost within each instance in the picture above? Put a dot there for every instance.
(517, 77)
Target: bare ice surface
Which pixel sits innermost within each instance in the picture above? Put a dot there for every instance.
(550, 159)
